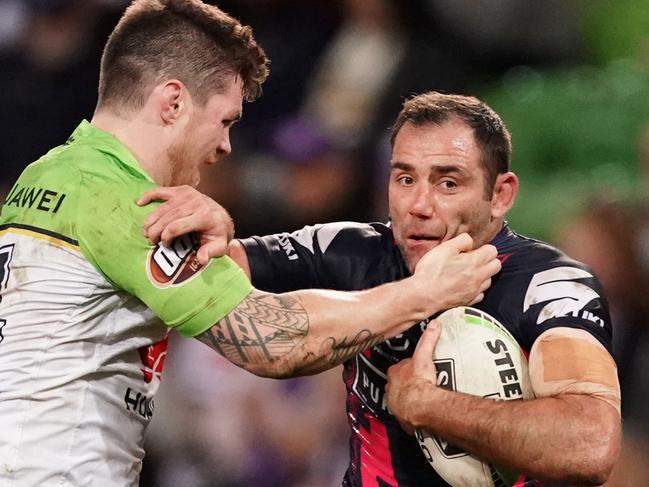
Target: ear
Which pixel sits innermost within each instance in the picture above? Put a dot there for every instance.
(173, 102)
(505, 191)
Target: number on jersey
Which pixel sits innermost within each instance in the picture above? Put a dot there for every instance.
(6, 253)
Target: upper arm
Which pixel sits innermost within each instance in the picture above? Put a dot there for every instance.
(170, 281)
(331, 256)
(571, 361)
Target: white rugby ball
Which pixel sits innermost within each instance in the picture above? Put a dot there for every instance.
(476, 355)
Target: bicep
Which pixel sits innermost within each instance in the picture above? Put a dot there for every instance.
(566, 361)
(170, 281)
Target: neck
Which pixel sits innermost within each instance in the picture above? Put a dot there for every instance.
(141, 137)
(492, 230)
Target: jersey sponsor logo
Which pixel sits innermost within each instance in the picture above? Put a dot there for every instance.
(369, 385)
(287, 246)
(139, 403)
(32, 197)
(172, 266)
(507, 372)
(153, 360)
(559, 288)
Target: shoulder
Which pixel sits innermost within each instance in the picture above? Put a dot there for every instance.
(348, 236)
(340, 255)
(527, 256)
(540, 287)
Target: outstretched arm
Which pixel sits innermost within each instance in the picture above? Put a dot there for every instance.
(569, 434)
(305, 332)
(308, 331)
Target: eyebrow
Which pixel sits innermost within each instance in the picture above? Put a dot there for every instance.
(438, 169)
(404, 166)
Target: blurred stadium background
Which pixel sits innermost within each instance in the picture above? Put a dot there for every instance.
(569, 77)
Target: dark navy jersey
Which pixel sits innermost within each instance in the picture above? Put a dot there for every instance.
(537, 289)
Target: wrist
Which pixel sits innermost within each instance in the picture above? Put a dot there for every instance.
(418, 298)
(426, 406)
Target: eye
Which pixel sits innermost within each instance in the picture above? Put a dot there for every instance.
(405, 180)
(229, 122)
(448, 184)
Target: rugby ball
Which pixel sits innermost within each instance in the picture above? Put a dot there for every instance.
(476, 355)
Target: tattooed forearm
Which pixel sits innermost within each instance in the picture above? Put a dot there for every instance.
(263, 328)
(343, 350)
(270, 335)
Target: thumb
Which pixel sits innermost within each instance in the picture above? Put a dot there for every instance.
(423, 356)
(203, 255)
(210, 250)
(462, 243)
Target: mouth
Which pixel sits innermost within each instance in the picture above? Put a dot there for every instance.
(417, 239)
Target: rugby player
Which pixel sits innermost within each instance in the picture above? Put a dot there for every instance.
(87, 301)
(450, 174)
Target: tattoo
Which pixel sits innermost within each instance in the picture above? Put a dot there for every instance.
(263, 328)
(344, 350)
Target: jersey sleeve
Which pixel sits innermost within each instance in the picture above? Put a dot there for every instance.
(170, 281)
(337, 255)
(567, 295)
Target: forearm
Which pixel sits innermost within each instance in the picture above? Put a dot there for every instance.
(345, 324)
(571, 439)
(308, 331)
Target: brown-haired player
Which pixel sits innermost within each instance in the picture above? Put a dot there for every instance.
(86, 301)
(449, 174)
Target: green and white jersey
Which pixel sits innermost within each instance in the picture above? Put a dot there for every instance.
(85, 305)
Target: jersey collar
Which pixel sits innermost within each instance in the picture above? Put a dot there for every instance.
(86, 133)
(502, 236)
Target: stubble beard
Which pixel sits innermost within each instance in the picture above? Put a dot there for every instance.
(179, 165)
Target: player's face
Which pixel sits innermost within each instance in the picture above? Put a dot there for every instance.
(206, 137)
(437, 188)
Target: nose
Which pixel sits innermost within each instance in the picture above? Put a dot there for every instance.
(224, 148)
(422, 203)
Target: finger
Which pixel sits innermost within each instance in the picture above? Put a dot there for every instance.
(155, 215)
(494, 267)
(486, 284)
(423, 356)
(189, 219)
(177, 228)
(488, 269)
(160, 193)
(462, 243)
(486, 253)
(211, 250)
(477, 299)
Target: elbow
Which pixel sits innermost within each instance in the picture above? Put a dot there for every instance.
(604, 452)
(274, 369)
(601, 468)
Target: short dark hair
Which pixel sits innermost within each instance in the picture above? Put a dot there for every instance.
(198, 44)
(489, 130)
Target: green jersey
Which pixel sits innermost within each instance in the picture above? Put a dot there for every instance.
(85, 305)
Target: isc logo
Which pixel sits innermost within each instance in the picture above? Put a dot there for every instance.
(168, 266)
(445, 380)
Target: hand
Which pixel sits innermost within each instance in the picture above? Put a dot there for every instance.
(187, 210)
(454, 275)
(411, 381)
